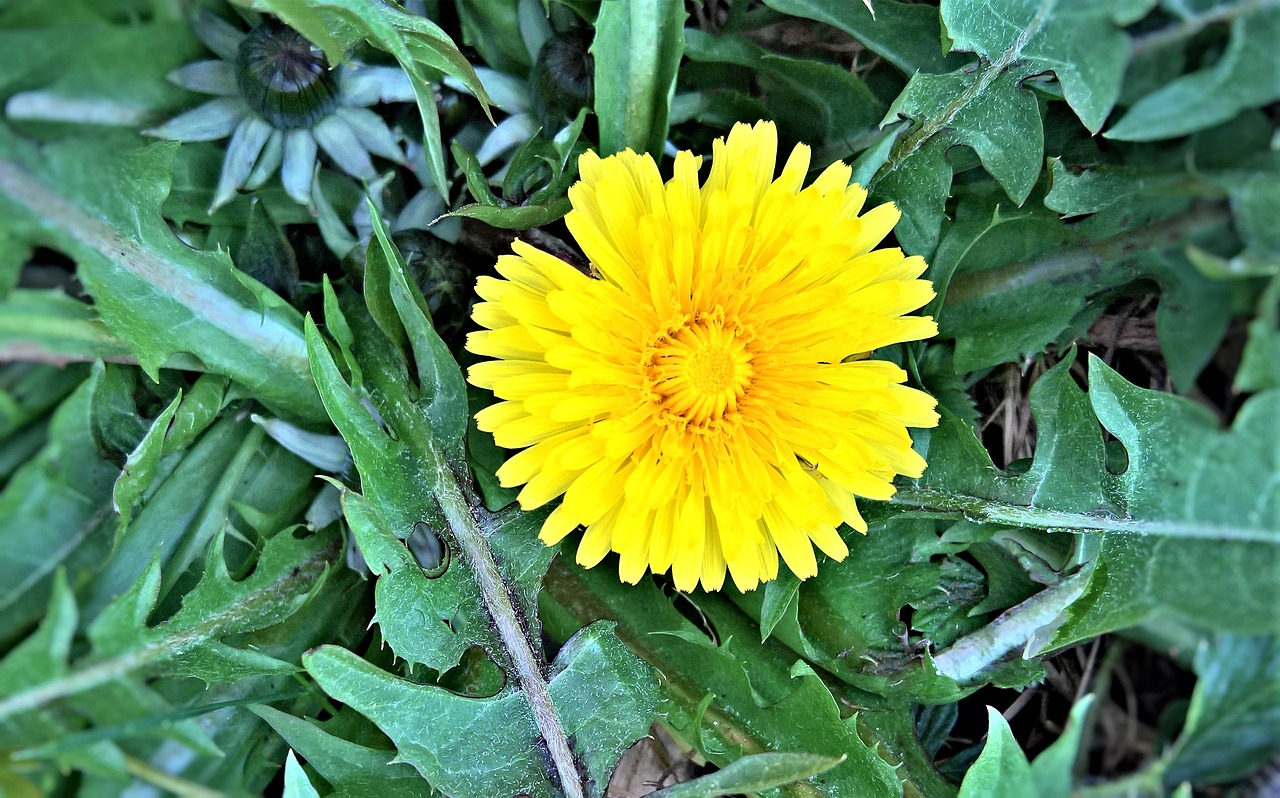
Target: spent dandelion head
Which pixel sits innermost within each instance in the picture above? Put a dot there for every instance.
(706, 401)
(281, 103)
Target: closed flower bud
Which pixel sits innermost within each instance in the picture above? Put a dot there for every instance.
(285, 78)
(563, 77)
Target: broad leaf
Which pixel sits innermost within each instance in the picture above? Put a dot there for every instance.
(907, 35)
(1081, 42)
(1193, 504)
(1231, 724)
(1002, 768)
(1244, 77)
(489, 746)
(637, 48)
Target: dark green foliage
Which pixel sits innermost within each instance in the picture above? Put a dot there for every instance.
(253, 541)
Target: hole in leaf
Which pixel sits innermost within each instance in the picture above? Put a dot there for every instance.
(686, 606)
(1117, 457)
(429, 549)
(906, 613)
(475, 676)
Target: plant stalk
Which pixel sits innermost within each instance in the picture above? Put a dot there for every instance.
(974, 653)
(1056, 265)
(493, 591)
(977, 508)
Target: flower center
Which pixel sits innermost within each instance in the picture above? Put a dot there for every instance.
(697, 370)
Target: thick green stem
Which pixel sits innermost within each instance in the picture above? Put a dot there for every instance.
(575, 598)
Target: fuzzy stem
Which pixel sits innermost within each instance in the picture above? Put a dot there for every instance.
(565, 588)
(497, 599)
(974, 653)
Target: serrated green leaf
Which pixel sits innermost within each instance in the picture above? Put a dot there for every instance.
(1083, 43)
(637, 48)
(1234, 715)
(846, 619)
(186, 510)
(200, 405)
(439, 377)
(432, 633)
(140, 467)
(1207, 494)
(1244, 77)
(351, 768)
(1076, 192)
(919, 185)
(1191, 508)
(759, 702)
(190, 643)
(999, 120)
(490, 748)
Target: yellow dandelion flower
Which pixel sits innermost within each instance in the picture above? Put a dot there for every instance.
(706, 402)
